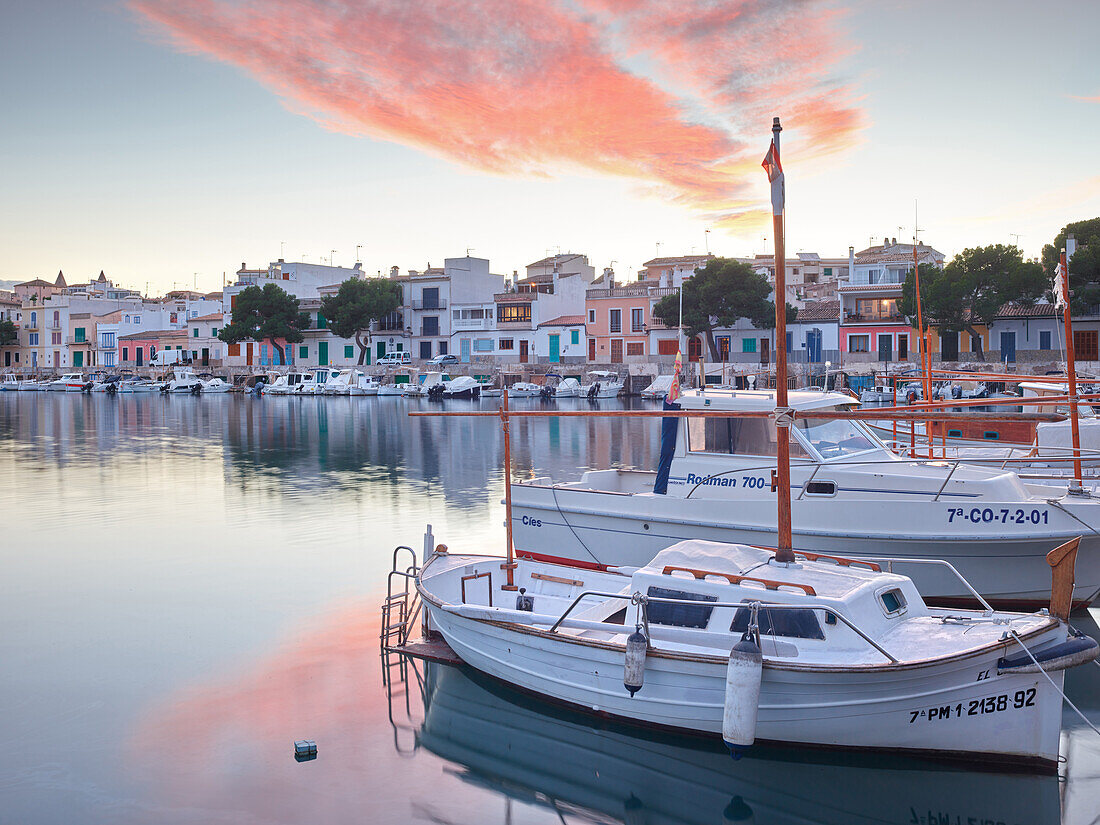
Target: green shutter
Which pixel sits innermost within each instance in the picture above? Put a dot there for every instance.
(321, 322)
(196, 331)
(303, 352)
(349, 351)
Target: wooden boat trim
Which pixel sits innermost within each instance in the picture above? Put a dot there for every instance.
(770, 584)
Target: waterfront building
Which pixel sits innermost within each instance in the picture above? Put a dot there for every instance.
(11, 310)
(871, 328)
(563, 339)
(135, 349)
(618, 319)
(554, 287)
(202, 339)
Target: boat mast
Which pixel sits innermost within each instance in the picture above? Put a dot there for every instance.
(1071, 373)
(510, 563)
(783, 552)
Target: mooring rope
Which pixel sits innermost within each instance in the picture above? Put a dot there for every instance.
(1065, 698)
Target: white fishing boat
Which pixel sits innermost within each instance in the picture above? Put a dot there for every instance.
(216, 385)
(143, 385)
(70, 382)
(659, 388)
(568, 388)
(183, 380)
(825, 651)
(312, 383)
(283, 384)
(428, 382)
(28, 384)
(366, 385)
(877, 394)
(462, 387)
(9, 382)
(341, 381)
(850, 493)
(602, 384)
(524, 389)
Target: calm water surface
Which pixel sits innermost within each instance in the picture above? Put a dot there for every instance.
(191, 584)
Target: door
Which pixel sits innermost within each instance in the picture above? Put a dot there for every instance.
(903, 347)
(425, 350)
(616, 350)
(206, 356)
(813, 346)
(464, 350)
(322, 353)
(380, 349)
(723, 348)
(524, 348)
(555, 349)
(78, 359)
(248, 354)
(592, 350)
(1084, 345)
(1008, 347)
(765, 350)
(885, 348)
(7, 358)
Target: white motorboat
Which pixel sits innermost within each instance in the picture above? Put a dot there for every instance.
(366, 385)
(341, 382)
(568, 388)
(877, 394)
(10, 382)
(313, 383)
(216, 385)
(462, 387)
(564, 761)
(28, 384)
(391, 390)
(524, 389)
(283, 384)
(722, 639)
(70, 382)
(489, 391)
(659, 388)
(602, 384)
(183, 380)
(428, 382)
(850, 495)
(143, 385)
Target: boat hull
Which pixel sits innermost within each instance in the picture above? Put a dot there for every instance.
(919, 708)
(610, 529)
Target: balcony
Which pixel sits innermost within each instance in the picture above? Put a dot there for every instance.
(622, 292)
(857, 318)
(472, 323)
(506, 325)
(421, 304)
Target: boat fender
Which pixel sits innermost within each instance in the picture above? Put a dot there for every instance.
(910, 396)
(1077, 650)
(525, 602)
(743, 674)
(956, 391)
(738, 811)
(634, 670)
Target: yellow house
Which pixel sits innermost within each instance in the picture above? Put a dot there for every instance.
(959, 346)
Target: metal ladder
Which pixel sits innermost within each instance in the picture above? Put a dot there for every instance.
(400, 612)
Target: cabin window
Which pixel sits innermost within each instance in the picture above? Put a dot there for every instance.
(893, 601)
(736, 436)
(679, 615)
(833, 437)
(794, 624)
(954, 433)
(991, 435)
(821, 488)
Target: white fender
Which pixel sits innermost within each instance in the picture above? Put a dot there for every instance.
(743, 675)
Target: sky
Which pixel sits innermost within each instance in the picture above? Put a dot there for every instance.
(168, 141)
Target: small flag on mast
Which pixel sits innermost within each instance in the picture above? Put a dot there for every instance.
(774, 169)
(1060, 286)
(674, 390)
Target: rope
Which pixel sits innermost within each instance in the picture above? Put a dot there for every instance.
(1065, 698)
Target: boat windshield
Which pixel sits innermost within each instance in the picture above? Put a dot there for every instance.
(837, 437)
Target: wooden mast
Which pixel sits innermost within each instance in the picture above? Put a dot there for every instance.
(924, 341)
(1071, 373)
(509, 565)
(783, 552)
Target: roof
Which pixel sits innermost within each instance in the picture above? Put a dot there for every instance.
(213, 316)
(60, 279)
(1011, 310)
(153, 333)
(681, 259)
(564, 256)
(564, 321)
(819, 311)
(35, 282)
(101, 277)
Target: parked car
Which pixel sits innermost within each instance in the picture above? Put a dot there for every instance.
(444, 359)
(391, 359)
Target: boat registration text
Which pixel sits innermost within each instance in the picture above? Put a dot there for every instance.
(977, 707)
(1002, 515)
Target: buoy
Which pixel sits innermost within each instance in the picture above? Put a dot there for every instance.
(634, 671)
(743, 675)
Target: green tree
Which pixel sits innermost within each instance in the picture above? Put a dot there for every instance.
(263, 314)
(717, 296)
(1084, 268)
(971, 289)
(360, 302)
(8, 333)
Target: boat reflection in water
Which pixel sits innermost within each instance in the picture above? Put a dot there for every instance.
(537, 753)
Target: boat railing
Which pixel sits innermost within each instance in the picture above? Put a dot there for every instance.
(642, 599)
(890, 561)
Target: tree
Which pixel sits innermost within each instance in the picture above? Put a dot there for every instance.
(972, 288)
(1084, 268)
(8, 333)
(717, 296)
(360, 302)
(262, 314)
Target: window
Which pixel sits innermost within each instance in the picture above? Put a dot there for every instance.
(975, 343)
(828, 272)
(431, 325)
(508, 313)
(349, 351)
(506, 343)
(443, 346)
(615, 317)
(835, 437)
(892, 601)
(55, 338)
(34, 320)
(794, 624)
(949, 346)
(195, 332)
(666, 346)
(591, 316)
(425, 349)
(303, 351)
(431, 298)
(137, 320)
(32, 339)
(106, 340)
(108, 359)
(80, 332)
(574, 337)
(213, 332)
(748, 345)
(679, 615)
(125, 353)
(1044, 339)
(903, 347)
(636, 322)
(859, 343)
(734, 436)
(483, 345)
(126, 319)
(635, 348)
(322, 322)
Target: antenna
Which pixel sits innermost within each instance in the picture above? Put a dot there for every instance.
(1015, 235)
(706, 239)
(916, 225)
(358, 246)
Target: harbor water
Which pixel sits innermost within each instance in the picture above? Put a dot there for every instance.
(192, 584)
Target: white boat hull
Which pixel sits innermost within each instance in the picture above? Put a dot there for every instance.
(924, 709)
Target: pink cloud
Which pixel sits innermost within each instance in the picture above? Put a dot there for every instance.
(676, 95)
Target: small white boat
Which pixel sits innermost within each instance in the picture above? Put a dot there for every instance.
(524, 389)
(313, 383)
(183, 380)
(462, 387)
(568, 388)
(27, 384)
(340, 382)
(216, 385)
(9, 382)
(70, 382)
(602, 384)
(283, 384)
(366, 385)
(877, 394)
(143, 385)
(391, 390)
(659, 388)
(723, 640)
(428, 382)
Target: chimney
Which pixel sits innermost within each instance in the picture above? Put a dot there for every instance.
(281, 261)
(244, 265)
(893, 242)
(394, 271)
(358, 266)
(609, 277)
(851, 260)
(885, 243)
